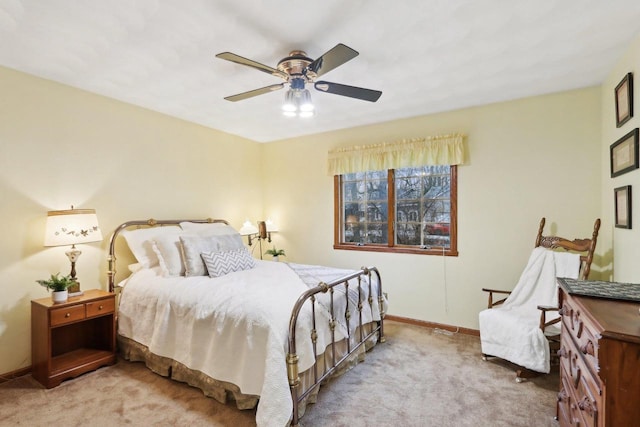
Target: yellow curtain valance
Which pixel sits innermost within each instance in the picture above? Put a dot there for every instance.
(434, 150)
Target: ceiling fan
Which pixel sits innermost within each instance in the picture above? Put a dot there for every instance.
(297, 70)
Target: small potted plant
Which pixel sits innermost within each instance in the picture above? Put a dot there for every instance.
(59, 285)
(275, 253)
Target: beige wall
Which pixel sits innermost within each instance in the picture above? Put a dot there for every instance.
(626, 243)
(61, 146)
(526, 159)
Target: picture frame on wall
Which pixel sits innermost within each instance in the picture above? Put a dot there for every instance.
(623, 207)
(624, 100)
(624, 154)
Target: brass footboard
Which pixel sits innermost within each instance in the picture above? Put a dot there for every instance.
(362, 336)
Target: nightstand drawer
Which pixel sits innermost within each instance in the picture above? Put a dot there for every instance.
(102, 307)
(61, 316)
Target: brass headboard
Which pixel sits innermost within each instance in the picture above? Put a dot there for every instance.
(111, 259)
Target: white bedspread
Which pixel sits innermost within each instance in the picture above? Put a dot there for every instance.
(511, 331)
(233, 328)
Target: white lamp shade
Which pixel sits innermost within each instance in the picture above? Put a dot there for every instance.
(248, 228)
(70, 227)
(271, 226)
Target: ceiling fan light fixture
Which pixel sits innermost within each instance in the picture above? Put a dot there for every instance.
(297, 102)
(305, 104)
(289, 102)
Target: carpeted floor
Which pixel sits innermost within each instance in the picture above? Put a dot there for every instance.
(417, 378)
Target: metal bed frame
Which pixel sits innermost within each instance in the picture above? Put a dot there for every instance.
(337, 359)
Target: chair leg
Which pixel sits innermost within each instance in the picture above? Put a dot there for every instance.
(524, 374)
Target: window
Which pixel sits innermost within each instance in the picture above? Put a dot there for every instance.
(411, 210)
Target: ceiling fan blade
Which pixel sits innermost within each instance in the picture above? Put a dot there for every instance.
(350, 91)
(253, 64)
(332, 59)
(255, 92)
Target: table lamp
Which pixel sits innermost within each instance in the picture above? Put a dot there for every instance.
(71, 227)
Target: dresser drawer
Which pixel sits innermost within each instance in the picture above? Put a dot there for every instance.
(568, 412)
(578, 327)
(584, 390)
(64, 315)
(101, 307)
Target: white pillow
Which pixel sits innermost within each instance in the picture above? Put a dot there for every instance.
(214, 228)
(225, 262)
(193, 245)
(167, 249)
(134, 268)
(140, 242)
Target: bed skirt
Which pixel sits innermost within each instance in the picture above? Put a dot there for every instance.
(225, 392)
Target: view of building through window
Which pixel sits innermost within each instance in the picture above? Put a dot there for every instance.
(418, 198)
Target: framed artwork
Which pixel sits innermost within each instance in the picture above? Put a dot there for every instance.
(624, 100)
(624, 154)
(623, 206)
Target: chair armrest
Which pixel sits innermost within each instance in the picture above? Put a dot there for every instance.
(497, 291)
(491, 304)
(543, 318)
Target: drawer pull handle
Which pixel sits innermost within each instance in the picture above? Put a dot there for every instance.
(562, 395)
(99, 307)
(576, 378)
(580, 326)
(587, 348)
(67, 315)
(586, 405)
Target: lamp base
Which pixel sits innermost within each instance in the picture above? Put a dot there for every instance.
(74, 290)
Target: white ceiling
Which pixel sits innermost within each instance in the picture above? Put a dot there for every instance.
(426, 56)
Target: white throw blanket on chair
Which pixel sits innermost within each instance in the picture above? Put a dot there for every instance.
(511, 330)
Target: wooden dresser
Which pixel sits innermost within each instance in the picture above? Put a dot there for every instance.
(599, 361)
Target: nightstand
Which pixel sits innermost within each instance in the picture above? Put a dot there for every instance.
(72, 338)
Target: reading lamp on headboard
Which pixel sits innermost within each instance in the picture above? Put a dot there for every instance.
(71, 227)
(260, 233)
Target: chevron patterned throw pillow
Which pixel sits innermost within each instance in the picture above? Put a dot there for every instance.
(225, 262)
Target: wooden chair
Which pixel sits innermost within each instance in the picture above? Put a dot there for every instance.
(586, 249)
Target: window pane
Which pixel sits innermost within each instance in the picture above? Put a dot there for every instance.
(440, 241)
(353, 233)
(377, 211)
(377, 190)
(377, 175)
(406, 209)
(407, 233)
(377, 233)
(351, 192)
(408, 188)
(406, 172)
(353, 212)
(357, 176)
